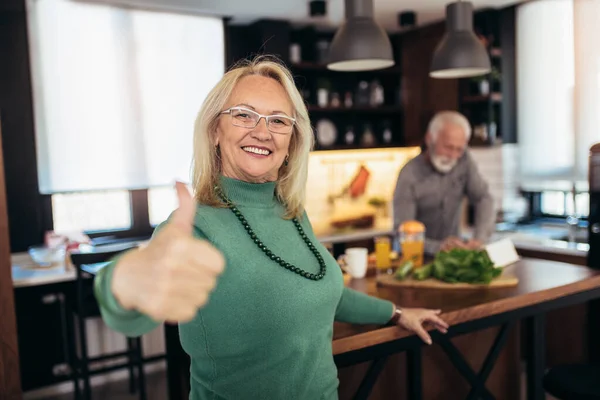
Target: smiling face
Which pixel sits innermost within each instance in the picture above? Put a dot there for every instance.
(254, 154)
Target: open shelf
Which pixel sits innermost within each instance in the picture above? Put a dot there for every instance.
(357, 146)
(360, 109)
(493, 97)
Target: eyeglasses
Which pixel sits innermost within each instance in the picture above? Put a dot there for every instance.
(246, 118)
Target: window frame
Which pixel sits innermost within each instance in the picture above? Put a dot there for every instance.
(140, 220)
(534, 200)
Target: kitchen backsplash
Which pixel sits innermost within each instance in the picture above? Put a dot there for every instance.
(499, 165)
(330, 171)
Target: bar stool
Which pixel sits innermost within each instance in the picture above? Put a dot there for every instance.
(573, 382)
(85, 306)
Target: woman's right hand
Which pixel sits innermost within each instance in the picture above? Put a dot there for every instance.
(171, 277)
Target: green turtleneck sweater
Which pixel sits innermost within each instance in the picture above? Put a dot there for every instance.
(266, 332)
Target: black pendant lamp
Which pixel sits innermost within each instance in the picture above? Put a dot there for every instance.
(360, 44)
(460, 54)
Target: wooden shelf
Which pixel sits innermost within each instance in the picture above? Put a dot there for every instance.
(360, 109)
(476, 142)
(311, 66)
(357, 146)
(494, 98)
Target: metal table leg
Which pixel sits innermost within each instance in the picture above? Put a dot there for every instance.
(536, 356)
(414, 373)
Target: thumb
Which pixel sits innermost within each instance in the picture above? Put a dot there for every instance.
(183, 217)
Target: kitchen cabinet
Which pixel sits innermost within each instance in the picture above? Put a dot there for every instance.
(44, 334)
(489, 101)
(397, 103)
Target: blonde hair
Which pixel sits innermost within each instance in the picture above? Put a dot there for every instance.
(206, 169)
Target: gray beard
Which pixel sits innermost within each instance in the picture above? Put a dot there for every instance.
(440, 166)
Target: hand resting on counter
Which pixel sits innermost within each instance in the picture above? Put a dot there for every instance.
(172, 277)
(413, 320)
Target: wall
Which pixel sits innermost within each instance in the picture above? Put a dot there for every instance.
(10, 384)
(26, 219)
(499, 165)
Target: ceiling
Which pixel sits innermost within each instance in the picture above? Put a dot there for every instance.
(297, 11)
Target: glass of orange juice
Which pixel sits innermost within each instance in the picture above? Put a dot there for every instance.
(412, 241)
(382, 254)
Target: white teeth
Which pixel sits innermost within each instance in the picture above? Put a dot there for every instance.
(256, 150)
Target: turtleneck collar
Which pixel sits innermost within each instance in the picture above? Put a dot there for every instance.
(249, 194)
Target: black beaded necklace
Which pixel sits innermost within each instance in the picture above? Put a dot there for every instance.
(269, 253)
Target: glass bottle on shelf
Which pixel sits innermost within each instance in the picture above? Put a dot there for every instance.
(387, 133)
(348, 100)
(376, 96)
(335, 99)
(349, 136)
(323, 91)
(295, 53)
(368, 138)
(362, 94)
(322, 50)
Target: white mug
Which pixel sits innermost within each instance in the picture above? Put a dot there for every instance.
(354, 261)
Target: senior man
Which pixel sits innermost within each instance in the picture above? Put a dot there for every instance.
(431, 187)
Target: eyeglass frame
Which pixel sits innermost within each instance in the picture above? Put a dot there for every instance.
(260, 116)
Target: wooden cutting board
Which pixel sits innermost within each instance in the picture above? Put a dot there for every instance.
(503, 281)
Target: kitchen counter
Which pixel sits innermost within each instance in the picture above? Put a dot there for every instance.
(25, 272)
(328, 234)
(545, 240)
(531, 241)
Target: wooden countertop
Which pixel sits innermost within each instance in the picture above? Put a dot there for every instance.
(539, 281)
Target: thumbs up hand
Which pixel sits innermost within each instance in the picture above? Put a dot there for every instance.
(172, 277)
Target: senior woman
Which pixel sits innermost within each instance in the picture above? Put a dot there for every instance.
(266, 332)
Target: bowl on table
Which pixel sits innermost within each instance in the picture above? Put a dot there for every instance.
(47, 257)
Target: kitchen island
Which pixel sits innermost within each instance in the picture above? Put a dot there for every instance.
(481, 351)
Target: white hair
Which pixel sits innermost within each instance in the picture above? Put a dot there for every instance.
(442, 118)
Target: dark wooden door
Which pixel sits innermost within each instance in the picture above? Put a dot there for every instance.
(10, 384)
